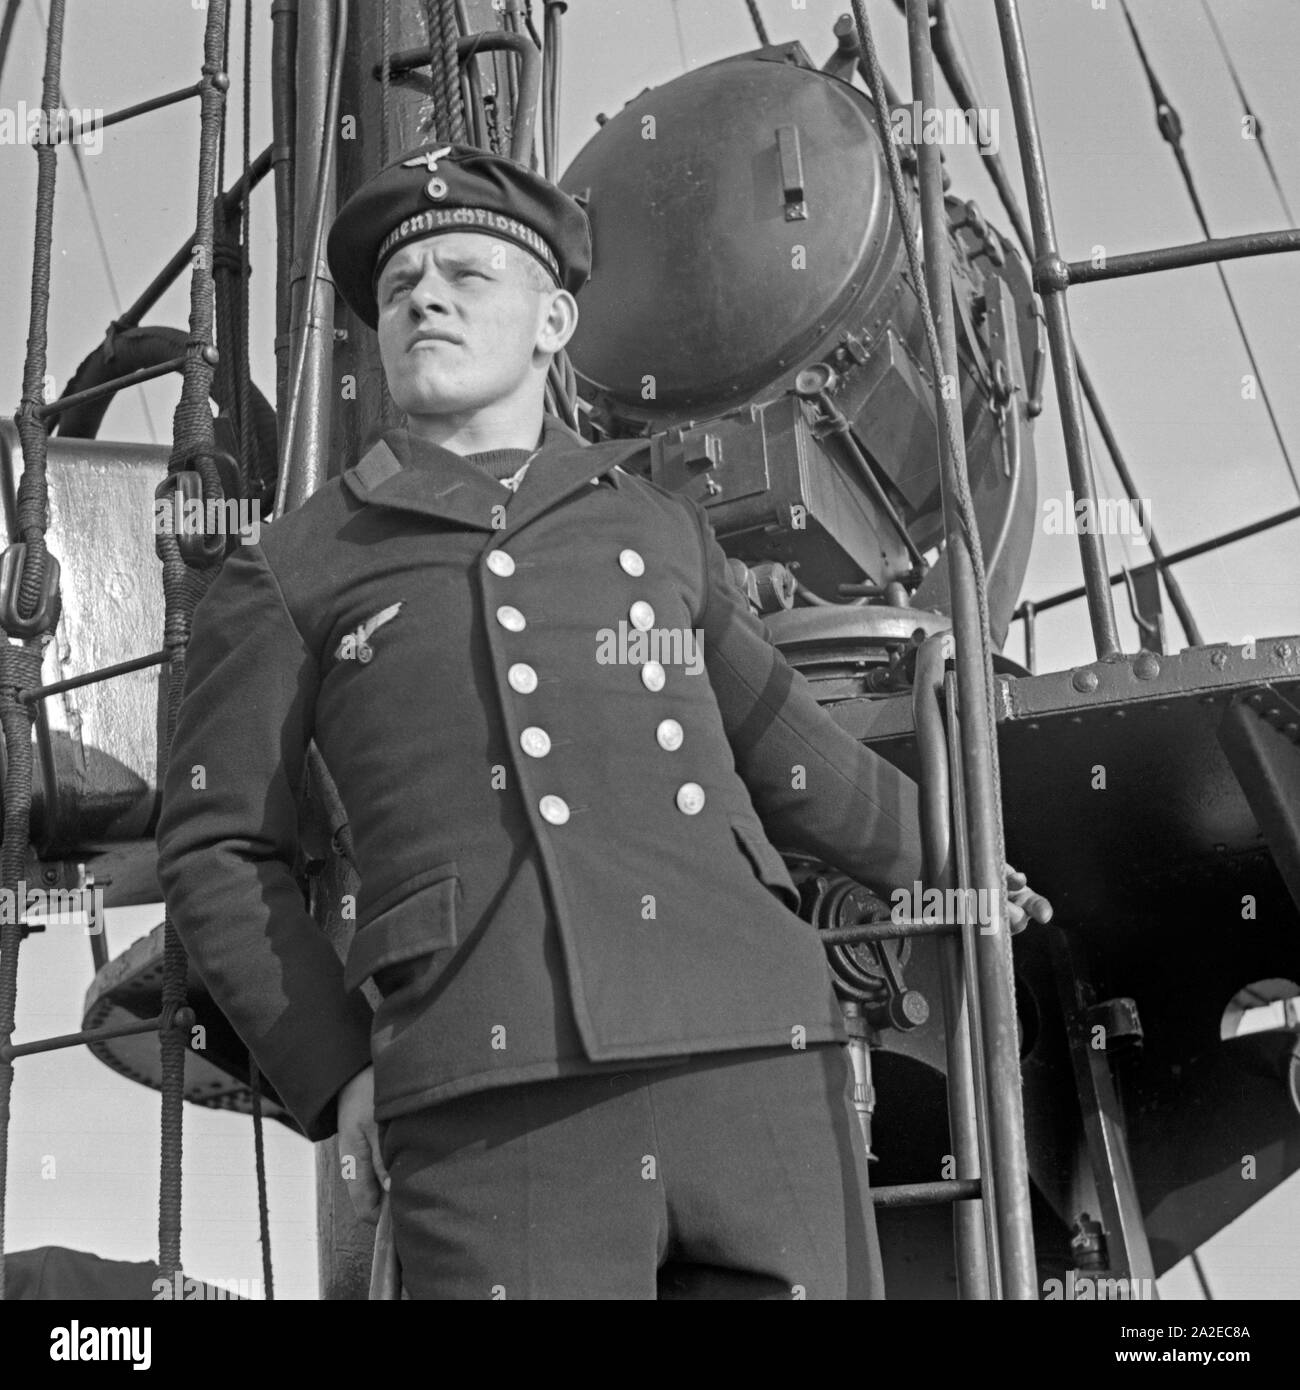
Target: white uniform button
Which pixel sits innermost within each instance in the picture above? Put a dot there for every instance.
(554, 809)
(511, 618)
(642, 615)
(522, 678)
(535, 742)
(652, 676)
(631, 563)
(670, 735)
(690, 798)
(500, 563)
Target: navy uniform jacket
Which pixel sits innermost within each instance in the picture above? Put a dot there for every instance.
(563, 840)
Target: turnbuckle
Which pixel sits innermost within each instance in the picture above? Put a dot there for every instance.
(12, 565)
(180, 510)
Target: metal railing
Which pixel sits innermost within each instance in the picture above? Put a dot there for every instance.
(985, 1103)
(1052, 278)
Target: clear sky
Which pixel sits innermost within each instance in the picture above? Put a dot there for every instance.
(1162, 350)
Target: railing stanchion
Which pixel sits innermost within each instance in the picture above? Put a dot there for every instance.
(1051, 276)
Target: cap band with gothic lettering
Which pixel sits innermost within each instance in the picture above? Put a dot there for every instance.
(454, 188)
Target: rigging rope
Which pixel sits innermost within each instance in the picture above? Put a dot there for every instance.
(385, 78)
(259, 1152)
(231, 270)
(231, 267)
(244, 366)
(20, 666)
(31, 602)
(221, 139)
(448, 108)
(98, 232)
(1257, 126)
(183, 586)
(951, 422)
(6, 30)
(550, 93)
(1171, 128)
(681, 40)
(950, 50)
(759, 27)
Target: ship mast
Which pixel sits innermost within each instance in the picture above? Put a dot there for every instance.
(331, 394)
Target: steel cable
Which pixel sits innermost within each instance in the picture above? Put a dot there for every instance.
(1257, 125)
(1171, 128)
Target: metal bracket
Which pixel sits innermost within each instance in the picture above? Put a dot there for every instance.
(1118, 1019)
(792, 178)
(1128, 1250)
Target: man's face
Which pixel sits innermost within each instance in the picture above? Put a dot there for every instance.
(461, 317)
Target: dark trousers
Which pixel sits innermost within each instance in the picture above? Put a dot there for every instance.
(736, 1175)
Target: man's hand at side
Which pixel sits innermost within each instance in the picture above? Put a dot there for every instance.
(359, 1140)
(1024, 904)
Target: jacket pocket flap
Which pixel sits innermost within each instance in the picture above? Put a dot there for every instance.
(423, 921)
(767, 862)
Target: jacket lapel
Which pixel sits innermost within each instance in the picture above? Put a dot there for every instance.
(425, 479)
(555, 475)
(417, 477)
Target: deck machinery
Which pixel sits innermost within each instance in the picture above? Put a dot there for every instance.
(753, 313)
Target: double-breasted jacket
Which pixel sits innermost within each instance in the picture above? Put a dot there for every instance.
(565, 747)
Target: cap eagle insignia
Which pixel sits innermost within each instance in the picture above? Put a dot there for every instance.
(436, 188)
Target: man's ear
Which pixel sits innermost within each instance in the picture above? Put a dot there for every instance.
(559, 323)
